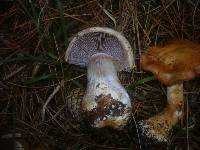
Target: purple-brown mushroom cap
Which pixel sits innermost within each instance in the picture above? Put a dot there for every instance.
(100, 40)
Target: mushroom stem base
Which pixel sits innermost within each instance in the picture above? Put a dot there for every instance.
(159, 126)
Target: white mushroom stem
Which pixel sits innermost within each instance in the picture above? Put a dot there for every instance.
(106, 100)
(159, 126)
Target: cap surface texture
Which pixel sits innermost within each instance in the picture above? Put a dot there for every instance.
(173, 63)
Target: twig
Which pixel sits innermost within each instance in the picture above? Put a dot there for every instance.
(108, 14)
(139, 141)
(48, 86)
(193, 17)
(50, 97)
(14, 72)
(188, 144)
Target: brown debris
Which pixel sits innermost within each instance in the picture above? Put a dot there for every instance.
(107, 106)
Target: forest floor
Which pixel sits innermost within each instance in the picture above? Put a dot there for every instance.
(34, 36)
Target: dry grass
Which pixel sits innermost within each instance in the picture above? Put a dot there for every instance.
(33, 38)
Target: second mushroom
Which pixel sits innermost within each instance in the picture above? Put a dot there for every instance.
(172, 64)
(104, 51)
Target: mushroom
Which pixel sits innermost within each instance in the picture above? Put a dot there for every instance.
(172, 64)
(104, 52)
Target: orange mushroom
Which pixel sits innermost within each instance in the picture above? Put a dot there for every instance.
(172, 64)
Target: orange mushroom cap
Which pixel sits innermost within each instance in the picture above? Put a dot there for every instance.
(173, 63)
